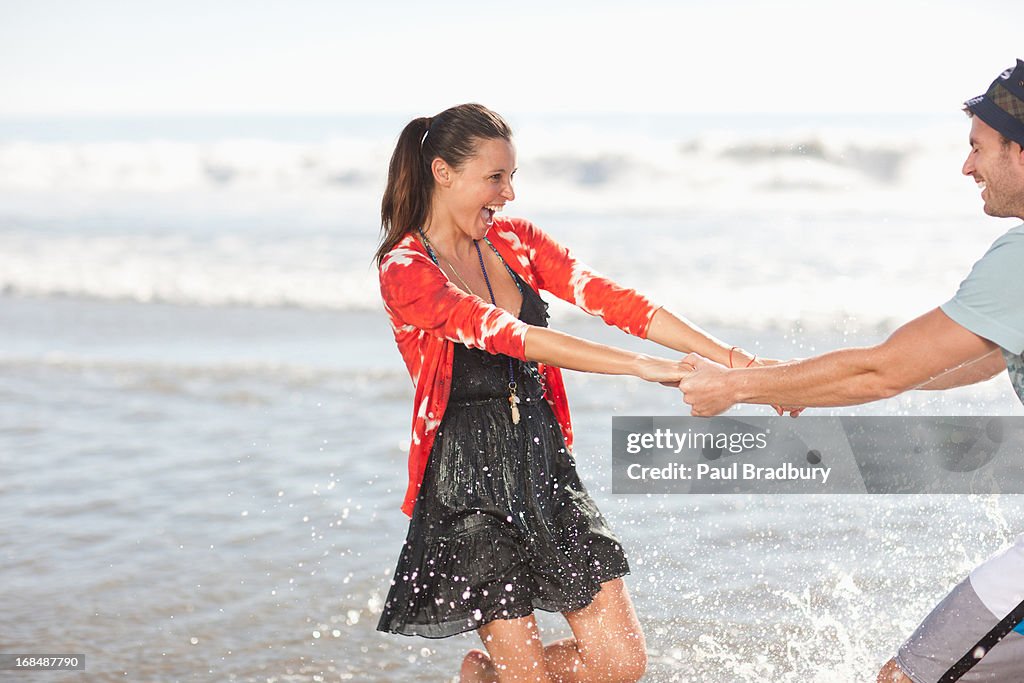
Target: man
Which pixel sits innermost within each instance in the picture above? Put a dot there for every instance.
(970, 338)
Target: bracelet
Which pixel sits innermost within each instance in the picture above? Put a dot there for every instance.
(736, 348)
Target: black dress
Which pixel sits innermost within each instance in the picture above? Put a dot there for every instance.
(502, 524)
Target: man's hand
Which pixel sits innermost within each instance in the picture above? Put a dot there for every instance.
(706, 390)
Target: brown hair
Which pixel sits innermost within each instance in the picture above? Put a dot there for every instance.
(453, 136)
(1003, 140)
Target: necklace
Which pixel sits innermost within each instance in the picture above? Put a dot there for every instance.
(431, 248)
(513, 398)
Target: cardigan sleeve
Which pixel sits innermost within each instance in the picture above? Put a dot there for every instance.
(571, 280)
(417, 293)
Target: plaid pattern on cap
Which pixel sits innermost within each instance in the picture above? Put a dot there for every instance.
(1002, 105)
(1006, 100)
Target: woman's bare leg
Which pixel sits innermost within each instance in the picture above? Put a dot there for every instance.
(477, 668)
(514, 654)
(608, 646)
(608, 643)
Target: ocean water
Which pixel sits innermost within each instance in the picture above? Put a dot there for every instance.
(203, 418)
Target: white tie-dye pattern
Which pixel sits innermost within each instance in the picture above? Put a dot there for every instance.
(430, 424)
(502, 322)
(512, 239)
(523, 255)
(402, 332)
(494, 323)
(579, 279)
(398, 257)
(397, 326)
(466, 338)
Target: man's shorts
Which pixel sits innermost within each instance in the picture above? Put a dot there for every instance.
(951, 630)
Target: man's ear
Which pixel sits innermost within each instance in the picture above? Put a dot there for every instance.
(442, 174)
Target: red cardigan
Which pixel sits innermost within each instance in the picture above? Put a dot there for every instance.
(428, 313)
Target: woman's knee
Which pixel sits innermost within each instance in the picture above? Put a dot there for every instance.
(621, 661)
(514, 650)
(630, 668)
(631, 665)
(609, 637)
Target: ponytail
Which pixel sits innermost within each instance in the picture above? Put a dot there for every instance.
(407, 195)
(452, 135)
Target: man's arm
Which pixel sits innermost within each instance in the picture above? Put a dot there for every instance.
(972, 372)
(915, 354)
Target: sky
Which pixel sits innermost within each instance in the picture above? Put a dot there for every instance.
(128, 57)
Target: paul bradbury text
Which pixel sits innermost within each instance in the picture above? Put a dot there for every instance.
(735, 471)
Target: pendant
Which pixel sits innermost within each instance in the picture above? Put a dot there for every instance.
(513, 402)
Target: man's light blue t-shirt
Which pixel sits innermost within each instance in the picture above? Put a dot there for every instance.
(990, 302)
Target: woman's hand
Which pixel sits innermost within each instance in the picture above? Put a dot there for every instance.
(662, 370)
(709, 391)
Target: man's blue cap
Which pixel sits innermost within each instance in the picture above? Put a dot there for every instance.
(1002, 105)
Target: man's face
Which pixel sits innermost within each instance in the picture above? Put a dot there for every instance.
(998, 169)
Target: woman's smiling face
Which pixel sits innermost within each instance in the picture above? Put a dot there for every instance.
(474, 193)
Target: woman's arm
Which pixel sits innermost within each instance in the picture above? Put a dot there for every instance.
(560, 273)
(418, 294)
(557, 271)
(676, 332)
(572, 353)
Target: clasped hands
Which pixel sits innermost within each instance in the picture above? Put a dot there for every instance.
(709, 388)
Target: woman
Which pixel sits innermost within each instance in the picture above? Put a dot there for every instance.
(501, 524)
